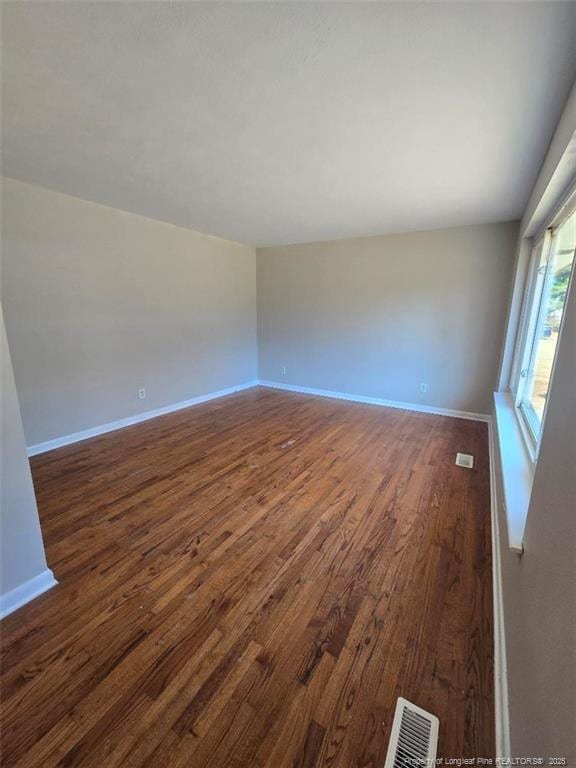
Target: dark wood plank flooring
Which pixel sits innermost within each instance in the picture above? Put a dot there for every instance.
(253, 582)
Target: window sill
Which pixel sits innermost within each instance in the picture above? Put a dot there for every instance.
(517, 469)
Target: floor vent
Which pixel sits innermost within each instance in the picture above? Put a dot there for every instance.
(414, 737)
(465, 460)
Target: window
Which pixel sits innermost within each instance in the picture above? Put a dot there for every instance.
(551, 269)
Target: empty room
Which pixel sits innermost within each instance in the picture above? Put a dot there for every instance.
(288, 404)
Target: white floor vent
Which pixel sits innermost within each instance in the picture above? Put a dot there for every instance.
(414, 737)
(465, 460)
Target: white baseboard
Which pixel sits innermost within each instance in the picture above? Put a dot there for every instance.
(21, 595)
(377, 401)
(85, 434)
(501, 710)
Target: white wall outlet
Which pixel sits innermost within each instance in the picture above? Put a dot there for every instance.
(142, 393)
(283, 370)
(423, 387)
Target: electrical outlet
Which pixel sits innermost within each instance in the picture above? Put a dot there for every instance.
(142, 393)
(423, 387)
(283, 370)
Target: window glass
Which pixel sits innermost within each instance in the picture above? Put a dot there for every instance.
(551, 289)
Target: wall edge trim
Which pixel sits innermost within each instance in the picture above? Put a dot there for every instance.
(24, 593)
(501, 708)
(112, 426)
(377, 401)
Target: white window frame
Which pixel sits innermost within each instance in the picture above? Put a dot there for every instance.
(528, 333)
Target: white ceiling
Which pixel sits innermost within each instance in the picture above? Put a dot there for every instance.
(287, 122)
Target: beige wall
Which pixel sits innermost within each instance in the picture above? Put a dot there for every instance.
(21, 548)
(99, 302)
(379, 316)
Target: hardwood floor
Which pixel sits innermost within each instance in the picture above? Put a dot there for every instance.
(253, 582)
